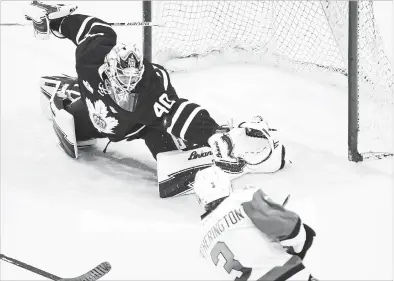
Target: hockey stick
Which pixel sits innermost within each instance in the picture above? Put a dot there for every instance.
(92, 275)
(286, 201)
(135, 23)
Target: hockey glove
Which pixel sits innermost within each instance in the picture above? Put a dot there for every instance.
(247, 148)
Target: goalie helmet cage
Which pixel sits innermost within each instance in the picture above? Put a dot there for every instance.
(334, 37)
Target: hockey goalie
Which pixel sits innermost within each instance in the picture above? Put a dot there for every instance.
(120, 95)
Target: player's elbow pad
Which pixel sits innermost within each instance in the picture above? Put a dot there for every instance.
(301, 242)
(296, 240)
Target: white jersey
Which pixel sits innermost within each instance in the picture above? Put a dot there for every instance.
(246, 236)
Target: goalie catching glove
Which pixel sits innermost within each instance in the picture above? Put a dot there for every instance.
(47, 18)
(248, 147)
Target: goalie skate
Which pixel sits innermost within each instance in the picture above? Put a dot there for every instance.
(41, 15)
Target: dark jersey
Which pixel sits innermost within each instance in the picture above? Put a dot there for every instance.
(158, 104)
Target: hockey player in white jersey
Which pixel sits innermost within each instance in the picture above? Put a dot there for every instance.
(246, 234)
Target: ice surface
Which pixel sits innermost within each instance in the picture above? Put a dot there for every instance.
(66, 216)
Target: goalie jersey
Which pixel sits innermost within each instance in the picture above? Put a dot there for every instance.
(249, 237)
(158, 105)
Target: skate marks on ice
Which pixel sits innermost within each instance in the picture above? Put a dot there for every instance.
(118, 165)
(131, 165)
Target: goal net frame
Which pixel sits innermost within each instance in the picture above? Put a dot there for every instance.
(352, 77)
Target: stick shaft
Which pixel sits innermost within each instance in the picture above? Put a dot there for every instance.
(136, 23)
(29, 267)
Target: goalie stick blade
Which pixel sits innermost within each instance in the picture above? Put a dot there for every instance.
(92, 275)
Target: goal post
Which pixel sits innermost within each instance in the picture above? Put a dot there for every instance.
(353, 114)
(329, 39)
(147, 30)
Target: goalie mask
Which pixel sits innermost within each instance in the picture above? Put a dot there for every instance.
(124, 68)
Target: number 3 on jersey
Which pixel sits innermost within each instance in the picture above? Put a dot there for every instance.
(163, 105)
(230, 262)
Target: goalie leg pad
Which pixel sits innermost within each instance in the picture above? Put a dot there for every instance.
(177, 170)
(64, 127)
(66, 86)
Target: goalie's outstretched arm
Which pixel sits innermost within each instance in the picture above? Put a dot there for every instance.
(191, 122)
(184, 119)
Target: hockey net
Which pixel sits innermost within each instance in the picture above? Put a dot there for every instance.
(303, 36)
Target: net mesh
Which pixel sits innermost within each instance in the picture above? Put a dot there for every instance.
(305, 36)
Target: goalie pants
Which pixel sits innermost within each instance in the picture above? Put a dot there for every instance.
(157, 141)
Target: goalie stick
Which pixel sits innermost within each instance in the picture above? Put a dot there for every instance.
(92, 275)
(135, 23)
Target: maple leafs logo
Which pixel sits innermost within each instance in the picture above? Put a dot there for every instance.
(98, 115)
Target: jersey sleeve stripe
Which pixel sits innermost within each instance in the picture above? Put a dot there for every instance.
(88, 35)
(180, 123)
(297, 242)
(95, 34)
(81, 29)
(135, 132)
(60, 25)
(165, 78)
(286, 271)
(176, 116)
(188, 121)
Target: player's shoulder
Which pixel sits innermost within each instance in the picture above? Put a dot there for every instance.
(270, 217)
(242, 195)
(159, 69)
(232, 203)
(155, 65)
(253, 199)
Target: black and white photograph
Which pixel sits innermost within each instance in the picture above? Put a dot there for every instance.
(196, 140)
